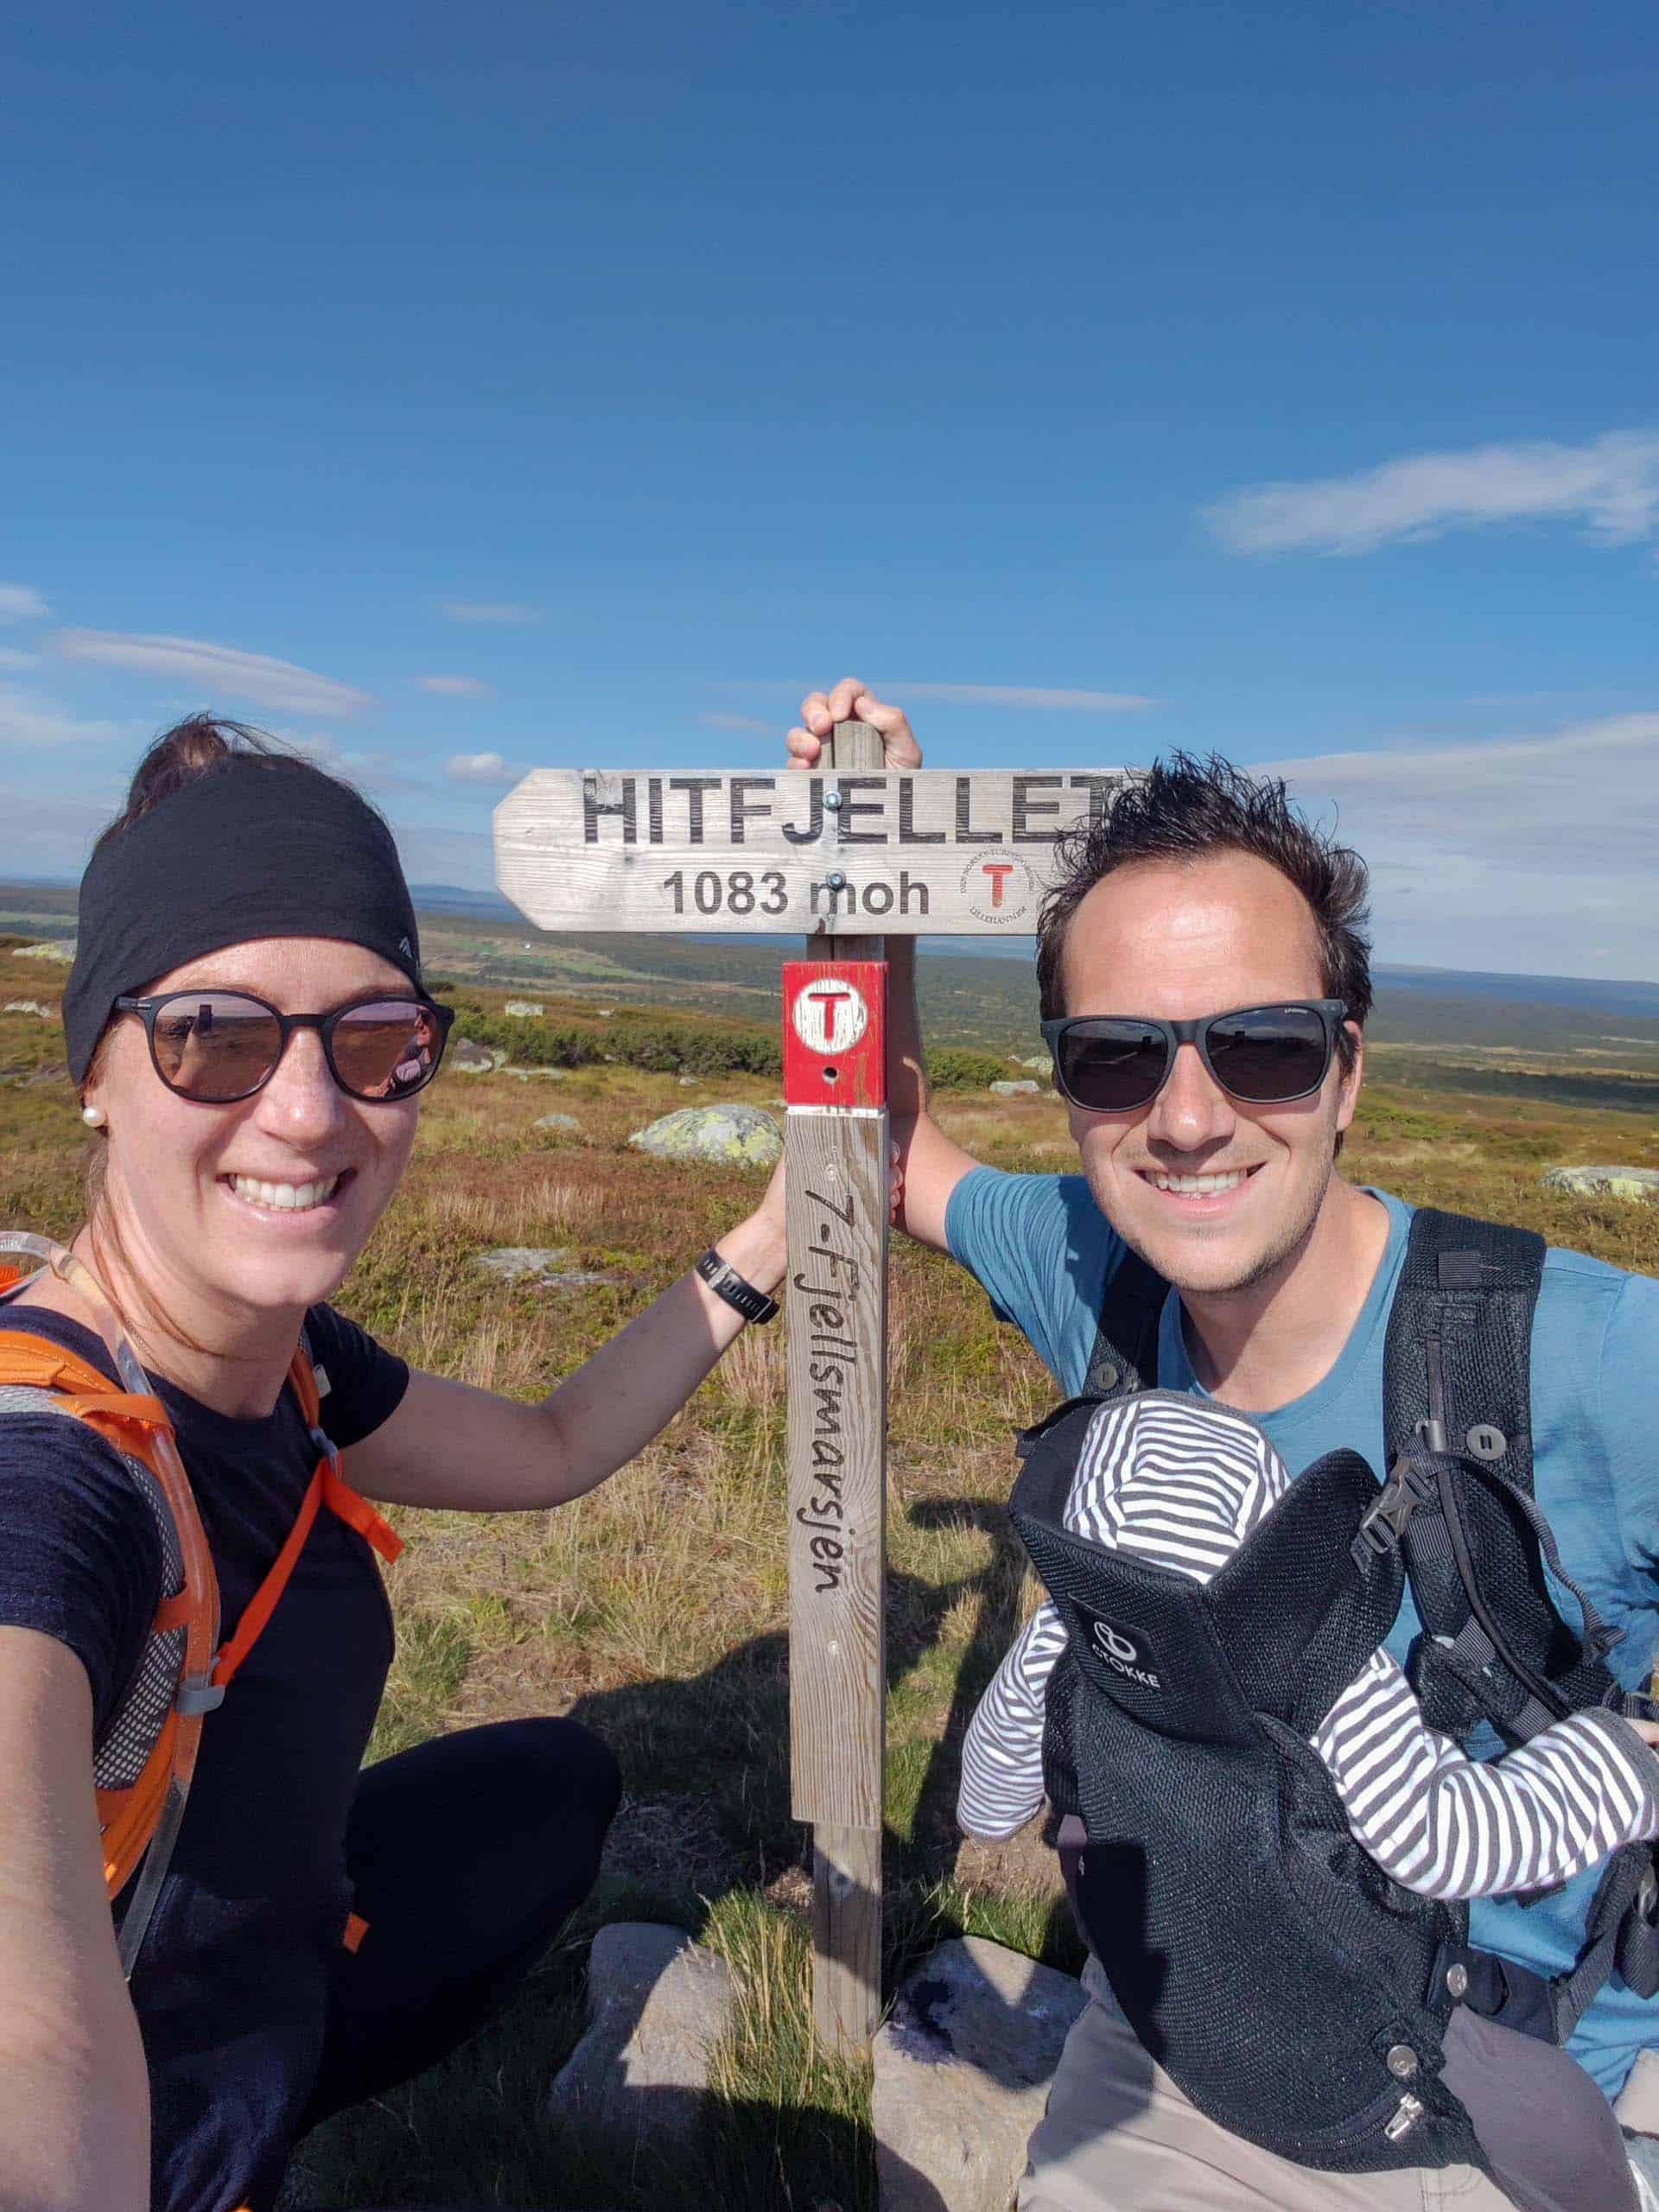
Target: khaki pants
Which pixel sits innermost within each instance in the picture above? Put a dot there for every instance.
(1119, 2136)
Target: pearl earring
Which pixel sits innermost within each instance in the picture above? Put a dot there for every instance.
(94, 1116)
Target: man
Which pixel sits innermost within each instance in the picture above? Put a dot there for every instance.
(1205, 892)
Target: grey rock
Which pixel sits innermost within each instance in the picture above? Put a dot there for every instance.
(688, 1082)
(523, 1009)
(540, 1265)
(732, 1137)
(962, 2068)
(471, 1058)
(1040, 1061)
(62, 950)
(30, 1006)
(536, 1074)
(1023, 1088)
(657, 2005)
(1603, 1182)
(565, 1124)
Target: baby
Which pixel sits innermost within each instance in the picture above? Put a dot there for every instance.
(1182, 1482)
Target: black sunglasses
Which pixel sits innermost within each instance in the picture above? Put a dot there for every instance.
(1261, 1055)
(218, 1046)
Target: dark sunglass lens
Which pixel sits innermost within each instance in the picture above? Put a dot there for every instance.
(1111, 1065)
(1268, 1053)
(216, 1045)
(387, 1050)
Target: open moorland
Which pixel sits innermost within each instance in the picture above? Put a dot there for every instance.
(655, 1609)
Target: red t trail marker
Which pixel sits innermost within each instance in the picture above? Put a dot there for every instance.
(832, 854)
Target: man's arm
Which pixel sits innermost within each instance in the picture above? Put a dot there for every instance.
(75, 2096)
(930, 1164)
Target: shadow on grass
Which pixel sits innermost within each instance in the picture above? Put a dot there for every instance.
(706, 1837)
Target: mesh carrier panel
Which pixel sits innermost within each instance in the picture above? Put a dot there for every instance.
(1261, 1957)
(119, 1756)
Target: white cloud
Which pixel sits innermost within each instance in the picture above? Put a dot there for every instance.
(210, 669)
(11, 659)
(457, 687)
(486, 610)
(736, 721)
(481, 768)
(1611, 486)
(1023, 696)
(1532, 853)
(22, 603)
(28, 720)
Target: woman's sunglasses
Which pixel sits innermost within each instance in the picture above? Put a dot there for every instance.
(220, 1047)
(1261, 1055)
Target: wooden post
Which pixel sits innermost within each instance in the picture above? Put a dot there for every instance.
(836, 1145)
(916, 853)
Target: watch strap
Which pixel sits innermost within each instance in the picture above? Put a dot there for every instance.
(739, 1294)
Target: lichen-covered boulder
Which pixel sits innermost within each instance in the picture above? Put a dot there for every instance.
(523, 1009)
(1603, 1182)
(731, 1136)
(31, 1006)
(1023, 1088)
(62, 949)
(564, 1125)
(469, 1059)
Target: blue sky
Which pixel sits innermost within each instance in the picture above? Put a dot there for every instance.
(459, 391)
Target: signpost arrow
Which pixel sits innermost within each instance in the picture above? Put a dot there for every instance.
(831, 853)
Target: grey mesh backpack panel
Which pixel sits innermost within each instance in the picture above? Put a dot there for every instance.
(119, 1756)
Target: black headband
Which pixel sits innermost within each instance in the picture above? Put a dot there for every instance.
(254, 846)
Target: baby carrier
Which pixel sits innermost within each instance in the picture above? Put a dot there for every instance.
(1295, 1994)
(144, 1759)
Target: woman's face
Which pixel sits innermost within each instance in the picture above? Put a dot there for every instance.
(264, 1204)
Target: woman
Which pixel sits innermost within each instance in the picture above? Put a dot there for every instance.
(248, 1031)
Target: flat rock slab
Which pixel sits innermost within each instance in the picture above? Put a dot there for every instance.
(1020, 1087)
(62, 950)
(30, 1006)
(537, 1075)
(963, 2068)
(657, 2003)
(1603, 1182)
(562, 1124)
(541, 1265)
(523, 1009)
(731, 1136)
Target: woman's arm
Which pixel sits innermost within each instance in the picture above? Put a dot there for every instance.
(449, 1444)
(75, 2095)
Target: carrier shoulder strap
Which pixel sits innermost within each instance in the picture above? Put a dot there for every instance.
(1124, 1360)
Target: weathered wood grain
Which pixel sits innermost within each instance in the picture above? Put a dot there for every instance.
(919, 854)
(846, 1936)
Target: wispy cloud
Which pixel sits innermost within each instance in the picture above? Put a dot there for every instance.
(29, 720)
(1611, 485)
(457, 687)
(736, 721)
(1520, 852)
(22, 603)
(221, 670)
(481, 768)
(486, 610)
(11, 659)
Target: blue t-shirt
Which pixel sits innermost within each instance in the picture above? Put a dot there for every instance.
(1044, 1252)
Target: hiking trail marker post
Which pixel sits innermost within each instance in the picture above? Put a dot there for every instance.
(838, 855)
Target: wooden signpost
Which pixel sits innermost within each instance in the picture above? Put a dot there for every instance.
(836, 855)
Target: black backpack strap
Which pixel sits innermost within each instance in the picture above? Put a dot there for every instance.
(1124, 1360)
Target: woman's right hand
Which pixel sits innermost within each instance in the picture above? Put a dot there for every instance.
(850, 701)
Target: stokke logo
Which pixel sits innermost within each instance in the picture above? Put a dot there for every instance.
(1126, 1656)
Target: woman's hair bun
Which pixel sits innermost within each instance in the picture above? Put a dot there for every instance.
(179, 755)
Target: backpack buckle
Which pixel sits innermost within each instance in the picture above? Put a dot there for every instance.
(198, 1694)
(1383, 1528)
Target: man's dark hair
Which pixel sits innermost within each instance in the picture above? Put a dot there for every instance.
(1184, 809)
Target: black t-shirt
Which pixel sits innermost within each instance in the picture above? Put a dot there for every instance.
(231, 1984)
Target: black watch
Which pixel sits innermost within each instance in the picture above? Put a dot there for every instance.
(742, 1297)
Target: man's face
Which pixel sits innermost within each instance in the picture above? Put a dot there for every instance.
(1179, 941)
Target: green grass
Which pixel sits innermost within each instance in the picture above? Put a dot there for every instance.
(655, 1610)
